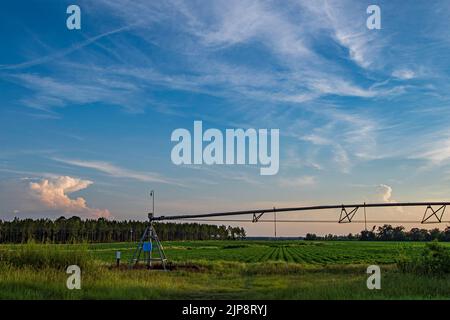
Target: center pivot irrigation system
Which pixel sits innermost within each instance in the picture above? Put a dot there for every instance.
(434, 212)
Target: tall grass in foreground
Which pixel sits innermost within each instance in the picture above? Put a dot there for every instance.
(433, 260)
(220, 281)
(46, 256)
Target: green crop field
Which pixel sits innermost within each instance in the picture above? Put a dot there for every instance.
(220, 270)
(301, 252)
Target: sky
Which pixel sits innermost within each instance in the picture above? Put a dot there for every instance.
(86, 115)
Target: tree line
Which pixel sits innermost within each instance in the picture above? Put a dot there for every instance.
(389, 233)
(74, 229)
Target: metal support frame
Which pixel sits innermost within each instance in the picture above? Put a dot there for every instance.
(257, 216)
(345, 216)
(343, 207)
(275, 222)
(150, 236)
(434, 213)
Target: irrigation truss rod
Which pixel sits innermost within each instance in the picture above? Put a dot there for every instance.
(304, 221)
(260, 212)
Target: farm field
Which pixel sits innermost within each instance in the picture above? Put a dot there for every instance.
(221, 270)
(290, 251)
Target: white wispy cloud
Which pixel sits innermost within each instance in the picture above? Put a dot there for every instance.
(299, 75)
(404, 74)
(434, 149)
(345, 20)
(288, 35)
(298, 182)
(63, 52)
(118, 172)
(59, 91)
(350, 137)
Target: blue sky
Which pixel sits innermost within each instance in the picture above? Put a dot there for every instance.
(86, 115)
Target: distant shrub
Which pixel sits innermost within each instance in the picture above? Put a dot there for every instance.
(434, 260)
(43, 255)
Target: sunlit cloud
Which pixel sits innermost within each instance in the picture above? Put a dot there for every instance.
(54, 193)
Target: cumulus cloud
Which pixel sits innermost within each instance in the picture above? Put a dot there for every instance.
(53, 194)
(384, 192)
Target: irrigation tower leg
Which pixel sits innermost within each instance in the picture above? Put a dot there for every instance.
(137, 253)
(160, 248)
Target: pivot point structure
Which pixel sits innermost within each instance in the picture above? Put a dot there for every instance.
(149, 240)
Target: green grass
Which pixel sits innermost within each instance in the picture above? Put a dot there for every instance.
(46, 255)
(220, 270)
